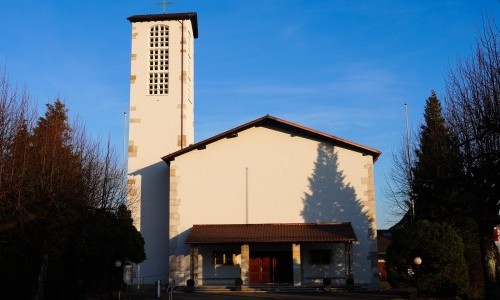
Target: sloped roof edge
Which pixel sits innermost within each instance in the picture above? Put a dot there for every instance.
(280, 123)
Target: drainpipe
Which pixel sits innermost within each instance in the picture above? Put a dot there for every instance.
(182, 83)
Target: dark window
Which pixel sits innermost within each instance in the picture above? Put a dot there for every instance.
(320, 257)
(223, 258)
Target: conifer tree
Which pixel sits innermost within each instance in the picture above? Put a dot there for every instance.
(438, 187)
(59, 186)
(437, 170)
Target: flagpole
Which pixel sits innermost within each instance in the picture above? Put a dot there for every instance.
(410, 179)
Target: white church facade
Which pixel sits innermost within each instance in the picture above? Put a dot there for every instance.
(270, 201)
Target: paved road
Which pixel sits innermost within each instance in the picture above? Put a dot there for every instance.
(261, 296)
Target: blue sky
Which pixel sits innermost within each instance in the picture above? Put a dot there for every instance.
(343, 67)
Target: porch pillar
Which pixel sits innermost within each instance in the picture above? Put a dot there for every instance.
(193, 272)
(245, 264)
(348, 253)
(297, 265)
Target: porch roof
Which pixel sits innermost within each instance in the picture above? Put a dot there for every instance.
(271, 233)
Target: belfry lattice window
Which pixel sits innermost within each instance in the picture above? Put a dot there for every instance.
(158, 60)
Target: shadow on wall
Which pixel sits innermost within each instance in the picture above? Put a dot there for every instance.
(179, 258)
(333, 199)
(154, 211)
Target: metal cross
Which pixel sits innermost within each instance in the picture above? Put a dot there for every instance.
(164, 3)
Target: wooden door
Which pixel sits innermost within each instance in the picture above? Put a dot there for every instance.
(260, 269)
(271, 267)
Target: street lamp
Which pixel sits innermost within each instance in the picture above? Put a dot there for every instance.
(116, 276)
(417, 261)
(118, 263)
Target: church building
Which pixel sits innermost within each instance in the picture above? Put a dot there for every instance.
(269, 202)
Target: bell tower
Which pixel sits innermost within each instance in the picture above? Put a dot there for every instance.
(161, 122)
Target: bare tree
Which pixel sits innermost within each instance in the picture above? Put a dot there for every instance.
(54, 179)
(105, 179)
(398, 186)
(16, 119)
(473, 102)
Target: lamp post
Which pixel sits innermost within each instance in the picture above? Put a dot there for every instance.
(127, 274)
(118, 265)
(417, 261)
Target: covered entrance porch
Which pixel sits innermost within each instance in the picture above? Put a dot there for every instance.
(266, 254)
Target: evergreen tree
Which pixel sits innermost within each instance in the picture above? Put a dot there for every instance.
(437, 172)
(438, 185)
(58, 188)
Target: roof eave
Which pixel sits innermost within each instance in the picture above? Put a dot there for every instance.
(273, 120)
(274, 233)
(169, 17)
(270, 242)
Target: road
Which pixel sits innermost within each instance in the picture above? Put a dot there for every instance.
(179, 295)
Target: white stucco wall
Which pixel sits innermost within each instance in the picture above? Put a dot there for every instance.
(291, 179)
(154, 130)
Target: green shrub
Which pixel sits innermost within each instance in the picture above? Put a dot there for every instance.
(443, 272)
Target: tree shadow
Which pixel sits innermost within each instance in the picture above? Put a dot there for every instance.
(154, 221)
(333, 199)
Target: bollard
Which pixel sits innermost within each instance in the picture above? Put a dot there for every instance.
(157, 288)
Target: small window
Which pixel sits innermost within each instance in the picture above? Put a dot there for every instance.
(223, 258)
(320, 257)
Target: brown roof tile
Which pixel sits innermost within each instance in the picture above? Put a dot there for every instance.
(271, 233)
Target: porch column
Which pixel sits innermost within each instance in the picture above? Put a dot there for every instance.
(348, 253)
(245, 264)
(297, 266)
(193, 272)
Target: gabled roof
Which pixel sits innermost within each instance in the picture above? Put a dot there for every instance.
(271, 233)
(169, 17)
(276, 123)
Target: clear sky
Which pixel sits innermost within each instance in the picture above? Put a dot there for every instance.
(340, 66)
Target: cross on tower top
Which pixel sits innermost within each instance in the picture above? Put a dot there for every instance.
(164, 4)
